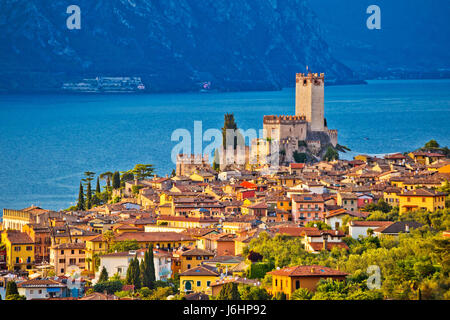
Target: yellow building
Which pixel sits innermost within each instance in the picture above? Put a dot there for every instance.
(202, 177)
(284, 204)
(421, 199)
(289, 279)
(390, 196)
(192, 258)
(19, 250)
(198, 279)
(425, 157)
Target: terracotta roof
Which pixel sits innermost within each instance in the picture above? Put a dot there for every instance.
(70, 246)
(423, 192)
(38, 283)
(317, 246)
(308, 271)
(18, 237)
(399, 226)
(153, 236)
(197, 252)
(200, 271)
(370, 223)
(297, 165)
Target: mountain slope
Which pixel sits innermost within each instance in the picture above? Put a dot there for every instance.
(171, 44)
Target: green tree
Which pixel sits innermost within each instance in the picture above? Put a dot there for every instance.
(126, 245)
(318, 224)
(432, 144)
(103, 275)
(143, 171)
(97, 188)
(116, 180)
(229, 291)
(148, 270)
(301, 294)
(11, 288)
(299, 157)
(109, 286)
(247, 292)
(88, 196)
(133, 273)
(280, 296)
(230, 124)
(331, 154)
(81, 205)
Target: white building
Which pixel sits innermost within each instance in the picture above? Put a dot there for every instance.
(359, 228)
(41, 289)
(118, 262)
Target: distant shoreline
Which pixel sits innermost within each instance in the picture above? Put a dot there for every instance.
(149, 92)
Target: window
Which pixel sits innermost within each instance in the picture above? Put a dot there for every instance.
(423, 199)
(188, 258)
(208, 283)
(62, 270)
(16, 248)
(29, 248)
(73, 252)
(199, 258)
(199, 283)
(40, 291)
(31, 291)
(62, 251)
(297, 284)
(62, 260)
(276, 282)
(188, 266)
(73, 261)
(409, 199)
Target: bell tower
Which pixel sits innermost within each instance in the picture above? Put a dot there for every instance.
(309, 99)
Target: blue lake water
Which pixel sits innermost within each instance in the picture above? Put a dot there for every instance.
(48, 141)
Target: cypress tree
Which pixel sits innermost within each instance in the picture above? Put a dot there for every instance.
(147, 274)
(88, 196)
(81, 204)
(11, 288)
(97, 189)
(116, 180)
(151, 267)
(136, 274)
(103, 275)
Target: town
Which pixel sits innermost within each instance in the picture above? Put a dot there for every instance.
(312, 228)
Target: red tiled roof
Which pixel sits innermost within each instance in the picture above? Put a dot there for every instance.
(317, 246)
(308, 271)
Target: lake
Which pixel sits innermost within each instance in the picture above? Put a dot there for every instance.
(48, 141)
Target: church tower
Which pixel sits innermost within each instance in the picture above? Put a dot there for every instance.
(309, 99)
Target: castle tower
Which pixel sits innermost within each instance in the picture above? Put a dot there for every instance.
(309, 99)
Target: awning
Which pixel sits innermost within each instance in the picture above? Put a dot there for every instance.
(53, 290)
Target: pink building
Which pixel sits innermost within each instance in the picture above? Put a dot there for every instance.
(307, 207)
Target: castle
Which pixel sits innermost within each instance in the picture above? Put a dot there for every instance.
(307, 129)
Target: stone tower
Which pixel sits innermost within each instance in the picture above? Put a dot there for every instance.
(309, 99)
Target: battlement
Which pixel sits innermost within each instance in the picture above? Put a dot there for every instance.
(332, 133)
(284, 119)
(314, 78)
(192, 158)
